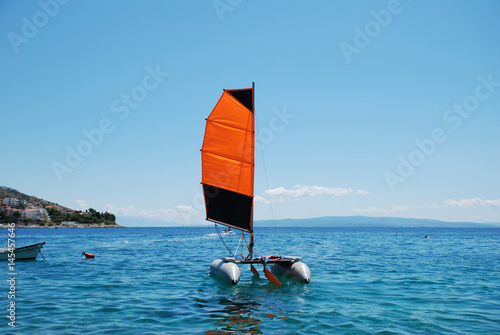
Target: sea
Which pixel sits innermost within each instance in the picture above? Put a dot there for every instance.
(157, 281)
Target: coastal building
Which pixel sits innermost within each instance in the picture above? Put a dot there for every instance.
(10, 201)
(44, 214)
(11, 211)
(35, 214)
(31, 214)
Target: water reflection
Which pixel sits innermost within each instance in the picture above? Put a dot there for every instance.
(253, 308)
(235, 317)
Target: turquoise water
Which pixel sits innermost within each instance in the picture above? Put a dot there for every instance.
(156, 281)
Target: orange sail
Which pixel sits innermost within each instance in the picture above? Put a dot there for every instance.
(228, 160)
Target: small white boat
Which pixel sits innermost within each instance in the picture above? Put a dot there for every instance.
(23, 253)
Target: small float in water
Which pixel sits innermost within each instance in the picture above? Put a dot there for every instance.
(228, 163)
(88, 255)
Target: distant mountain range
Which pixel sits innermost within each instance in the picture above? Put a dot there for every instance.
(365, 221)
(326, 221)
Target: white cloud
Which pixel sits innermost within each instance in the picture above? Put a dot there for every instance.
(376, 210)
(361, 192)
(260, 199)
(471, 203)
(180, 214)
(281, 194)
(82, 204)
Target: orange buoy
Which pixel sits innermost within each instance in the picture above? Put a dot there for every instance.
(88, 255)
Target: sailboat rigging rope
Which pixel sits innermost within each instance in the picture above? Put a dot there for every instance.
(223, 242)
(239, 243)
(269, 195)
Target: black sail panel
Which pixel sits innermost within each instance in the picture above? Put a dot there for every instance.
(228, 207)
(245, 96)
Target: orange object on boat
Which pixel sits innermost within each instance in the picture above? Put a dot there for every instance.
(88, 254)
(269, 275)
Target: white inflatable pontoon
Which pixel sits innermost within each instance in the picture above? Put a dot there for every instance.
(227, 268)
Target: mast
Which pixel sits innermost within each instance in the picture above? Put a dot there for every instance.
(250, 247)
(251, 235)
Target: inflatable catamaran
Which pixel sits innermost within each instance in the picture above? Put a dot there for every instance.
(228, 162)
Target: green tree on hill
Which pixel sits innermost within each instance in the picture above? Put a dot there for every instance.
(4, 218)
(90, 216)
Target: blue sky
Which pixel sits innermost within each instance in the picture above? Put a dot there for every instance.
(377, 108)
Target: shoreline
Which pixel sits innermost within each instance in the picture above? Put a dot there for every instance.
(66, 225)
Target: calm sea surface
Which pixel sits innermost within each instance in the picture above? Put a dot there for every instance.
(156, 281)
